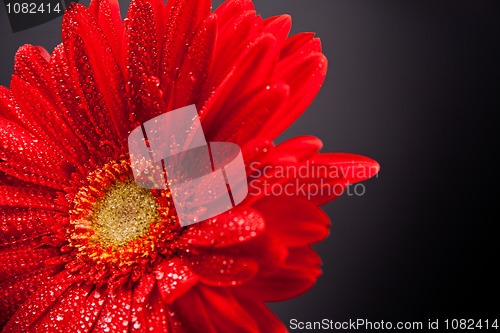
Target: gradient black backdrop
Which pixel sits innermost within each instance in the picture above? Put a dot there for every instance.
(415, 85)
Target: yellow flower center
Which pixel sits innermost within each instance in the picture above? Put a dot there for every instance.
(124, 214)
(116, 222)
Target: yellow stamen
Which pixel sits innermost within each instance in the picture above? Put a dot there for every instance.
(124, 214)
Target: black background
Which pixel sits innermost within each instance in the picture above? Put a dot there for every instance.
(415, 85)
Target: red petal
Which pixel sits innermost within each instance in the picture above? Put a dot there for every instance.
(17, 263)
(45, 119)
(32, 65)
(255, 149)
(193, 313)
(253, 69)
(7, 105)
(19, 224)
(301, 45)
(39, 302)
(142, 42)
(6, 179)
(267, 321)
(21, 147)
(221, 269)
(196, 64)
(69, 95)
(86, 309)
(143, 288)
(107, 14)
(294, 221)
(65, 315)
(141, 295)
(174, 279)
(268, 251)
(28, 197)
(285, 284)
(295, 169)
(149, 101)
(305, 77)
(226, 312)
(22, 172)
(144, 28)
(216, 309)
(96, 71)
(14, 292)
(115, 316)
(342, 169)
(234, 227)
(301, 148)
(303, 258)
(157, 316)
(351, 168)
(181, 28)
(26, 245)
(230, 8)
(249, 115)
(233, 36)
(297, 276)
(279, 26)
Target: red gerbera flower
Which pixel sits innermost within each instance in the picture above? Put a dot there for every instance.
(83, 248)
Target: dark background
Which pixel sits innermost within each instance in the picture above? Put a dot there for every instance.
(414, 85)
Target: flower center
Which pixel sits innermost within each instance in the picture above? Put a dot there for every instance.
(116, 222)
(124, 214)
